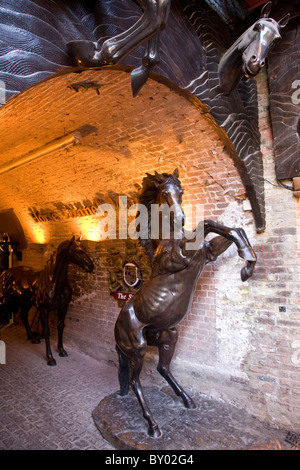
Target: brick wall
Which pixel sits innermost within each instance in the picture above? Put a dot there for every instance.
(240, 341)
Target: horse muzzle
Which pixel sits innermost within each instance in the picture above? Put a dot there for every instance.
(90, 268)
(253, 67)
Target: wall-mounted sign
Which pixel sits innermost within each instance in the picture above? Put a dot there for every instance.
(64, 212)
(123, 296)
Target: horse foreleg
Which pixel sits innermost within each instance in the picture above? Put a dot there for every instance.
(239, 237)
(166, 341)
(24, 317)
(44, 316)
(60, 330)
(140, 75)
(115, 49)
(153, 19)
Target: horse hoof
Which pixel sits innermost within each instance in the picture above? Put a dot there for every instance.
(247, 270)
(63, 354)
(188, 402)
(154, 432)
(35, 341)
(51, 362)
(139, 77)
(190, 405)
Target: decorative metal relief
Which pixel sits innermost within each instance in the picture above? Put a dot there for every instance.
(284, 81)
(42, 51)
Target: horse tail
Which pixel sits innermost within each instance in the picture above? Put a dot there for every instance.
(124, 372)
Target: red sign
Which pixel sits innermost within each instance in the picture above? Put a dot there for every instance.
(123, 295)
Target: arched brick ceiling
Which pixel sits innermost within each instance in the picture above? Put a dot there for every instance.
(33, 41)
(158, 130)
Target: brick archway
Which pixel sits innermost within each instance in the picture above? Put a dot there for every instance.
(122, 139)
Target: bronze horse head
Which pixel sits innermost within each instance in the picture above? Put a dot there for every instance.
(267, 33)
(247, 56)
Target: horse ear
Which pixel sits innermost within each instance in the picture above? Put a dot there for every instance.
(284, 21)
(72, 239)
(266, 10)
(176, 172)
(159, 177)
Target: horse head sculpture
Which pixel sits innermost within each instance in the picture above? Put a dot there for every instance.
(78, 256)
(247, 56)
(268, 30)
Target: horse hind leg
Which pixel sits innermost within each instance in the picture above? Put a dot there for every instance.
(166, 340)
(131, 347)
(129, 375)
(44, 316)
(135, 365)
(60, 331)
(24, 317)
(124, 372)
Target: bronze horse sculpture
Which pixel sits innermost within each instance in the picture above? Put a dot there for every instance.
(247, 54)
(22, 288)
(150, 318)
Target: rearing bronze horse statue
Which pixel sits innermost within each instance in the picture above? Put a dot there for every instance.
(23, 287)
(150, 318)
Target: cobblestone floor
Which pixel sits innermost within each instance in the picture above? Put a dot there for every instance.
(50, 408)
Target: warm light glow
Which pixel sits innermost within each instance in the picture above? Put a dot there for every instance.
(87, 228)
(39, 234)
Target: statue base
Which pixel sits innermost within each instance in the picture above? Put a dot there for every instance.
(211, 426)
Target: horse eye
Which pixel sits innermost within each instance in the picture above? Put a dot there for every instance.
(258, 27)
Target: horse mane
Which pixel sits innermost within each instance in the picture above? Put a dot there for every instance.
(46, 275)
(147, 197)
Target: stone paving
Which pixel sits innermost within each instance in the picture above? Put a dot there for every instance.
(51, 408)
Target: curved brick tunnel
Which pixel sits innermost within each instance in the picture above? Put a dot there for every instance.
(229, 326)
(122, 139)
